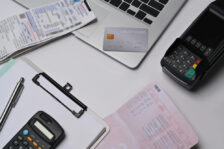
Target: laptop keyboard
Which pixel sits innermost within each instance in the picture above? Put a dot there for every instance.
(141, 9)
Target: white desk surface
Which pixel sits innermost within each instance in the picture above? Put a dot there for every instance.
(104, 84)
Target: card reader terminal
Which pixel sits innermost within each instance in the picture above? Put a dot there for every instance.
(200, 47)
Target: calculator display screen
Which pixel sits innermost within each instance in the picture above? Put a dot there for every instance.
(44, 130)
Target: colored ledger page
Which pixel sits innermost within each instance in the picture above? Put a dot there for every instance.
(149, 121)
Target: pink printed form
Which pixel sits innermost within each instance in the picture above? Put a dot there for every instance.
(149, 121)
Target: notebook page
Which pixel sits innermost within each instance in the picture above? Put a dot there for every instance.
(79, 132)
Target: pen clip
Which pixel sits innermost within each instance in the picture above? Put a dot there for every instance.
(17, 93)
(17, 97)
(61, 94)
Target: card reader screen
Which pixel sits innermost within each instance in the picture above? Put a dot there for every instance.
(209, 29)
(44, 130)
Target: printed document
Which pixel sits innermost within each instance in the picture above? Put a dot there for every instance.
(149, 121)
(39, 25)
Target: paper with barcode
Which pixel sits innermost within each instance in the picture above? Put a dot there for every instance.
(39, 25)
(149, 121)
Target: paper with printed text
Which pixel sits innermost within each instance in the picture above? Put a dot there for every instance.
(42, 24)
(149, 121)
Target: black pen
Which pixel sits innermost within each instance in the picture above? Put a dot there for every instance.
(12, 101)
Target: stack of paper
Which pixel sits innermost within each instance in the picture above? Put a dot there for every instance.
(37, 26)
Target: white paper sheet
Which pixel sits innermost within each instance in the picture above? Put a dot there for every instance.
(80, 133)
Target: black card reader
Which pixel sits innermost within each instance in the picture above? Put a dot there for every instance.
(198, 49)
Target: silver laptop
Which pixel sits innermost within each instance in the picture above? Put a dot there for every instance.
(152, 14)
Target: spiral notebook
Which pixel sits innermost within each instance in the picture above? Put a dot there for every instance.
(83, 129)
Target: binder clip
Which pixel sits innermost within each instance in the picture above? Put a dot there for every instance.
(61, 94)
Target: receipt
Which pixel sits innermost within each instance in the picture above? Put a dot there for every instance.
(15, 33)
(42, 24)
(62, 16)
(149, 121)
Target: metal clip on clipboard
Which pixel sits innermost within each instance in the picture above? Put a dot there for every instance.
(61, 94)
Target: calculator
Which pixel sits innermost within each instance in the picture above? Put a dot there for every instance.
(40, 132)
(193, 55)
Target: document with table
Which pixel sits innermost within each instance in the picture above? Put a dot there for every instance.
(83, 128)
(149, 120)
(22, 32)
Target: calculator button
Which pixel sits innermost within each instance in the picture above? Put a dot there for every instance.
(15, 142)
(39, 147)
(11, 147)
(21, 147)
(35, 144)
(30, 139)
(38, 141)
(25, 143)
(30, 147)
(20, 138)
(32, 136)
(43, 146)
(25, 132)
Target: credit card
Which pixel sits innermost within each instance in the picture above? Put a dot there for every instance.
(149, 121)
(125, 39)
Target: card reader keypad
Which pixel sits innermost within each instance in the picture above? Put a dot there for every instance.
(25, 139)
(183, 61)
(202, 48)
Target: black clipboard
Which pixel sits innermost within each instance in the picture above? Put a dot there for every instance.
(65, 90)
